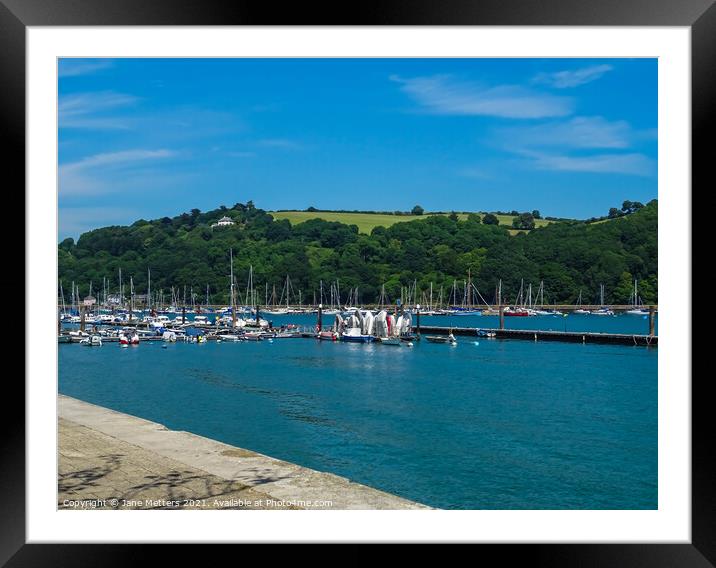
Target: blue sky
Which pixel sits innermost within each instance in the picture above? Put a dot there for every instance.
(145, 138)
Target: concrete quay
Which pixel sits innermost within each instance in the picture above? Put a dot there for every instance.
(111, 460)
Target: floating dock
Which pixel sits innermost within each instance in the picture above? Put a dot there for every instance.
(541, 335)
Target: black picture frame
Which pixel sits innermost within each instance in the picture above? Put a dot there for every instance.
(17, 15)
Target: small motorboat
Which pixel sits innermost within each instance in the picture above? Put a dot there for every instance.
(389, 340)
(450, 338)
(516, 312)
(94, 341)
(354, 335)
(327, 336)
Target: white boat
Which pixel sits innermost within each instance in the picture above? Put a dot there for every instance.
(389, 340)
(169, 336)
(602, 310)
(450, 338)
(579, 309)
(636, 310)
(94, 341)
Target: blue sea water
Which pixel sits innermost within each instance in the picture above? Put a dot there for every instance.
(488, 424)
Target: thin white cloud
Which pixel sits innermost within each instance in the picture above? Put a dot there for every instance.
(443, 94)
(76, 67)
(627, 164)
(97, 173)
(578, 132)
(89, 110)
(278, 143)
(572, 78)
(474, 173)
(233, 154)
(73, 221)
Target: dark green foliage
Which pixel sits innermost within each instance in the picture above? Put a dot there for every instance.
(417, 210)
(524, 221)
(186, 251)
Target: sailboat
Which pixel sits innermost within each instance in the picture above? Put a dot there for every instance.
(579, 309)
(519, 309)
(636, 310)
(603, 310)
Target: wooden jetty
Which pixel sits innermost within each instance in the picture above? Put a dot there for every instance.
(541, 335)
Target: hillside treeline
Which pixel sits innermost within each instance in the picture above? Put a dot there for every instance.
(185, 251)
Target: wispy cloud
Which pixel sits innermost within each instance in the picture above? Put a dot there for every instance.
(572, 78)
(474, 173)
(96, 173)
(278, 143)
(89, 110)
(628, 164)
(74, 221)
(443, 94)
(578, 132)
(233, 154)
(75, 67)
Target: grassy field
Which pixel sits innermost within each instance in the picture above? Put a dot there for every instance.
(367, 221)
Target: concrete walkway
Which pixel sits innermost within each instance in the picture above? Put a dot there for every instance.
(110, 460)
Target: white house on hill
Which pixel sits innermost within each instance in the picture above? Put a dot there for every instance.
(223, 222)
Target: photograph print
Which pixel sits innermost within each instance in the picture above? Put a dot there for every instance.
(357, 283)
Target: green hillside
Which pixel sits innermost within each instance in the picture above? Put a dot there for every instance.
(187, 252)
(366, 222)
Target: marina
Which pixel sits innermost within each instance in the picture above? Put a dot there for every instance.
(367, 325)
(510, 424)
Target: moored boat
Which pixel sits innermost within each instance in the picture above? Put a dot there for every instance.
(327, 336)
(450, 338)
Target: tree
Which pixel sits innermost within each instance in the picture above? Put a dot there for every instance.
(490, 219)
(524, 221)
(311, 209)
(453, 216)
(536, 214)
(613, 213)
(417, 210)
(626, 206)
(474, 218)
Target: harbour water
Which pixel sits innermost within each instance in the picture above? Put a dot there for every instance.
(488, 424)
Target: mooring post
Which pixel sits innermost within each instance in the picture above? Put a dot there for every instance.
(502, 316)
(651, 321)
(319, 323)
(417, 321)
(183, 314)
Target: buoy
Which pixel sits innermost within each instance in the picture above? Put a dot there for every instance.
(476, 343)
(410, 343)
